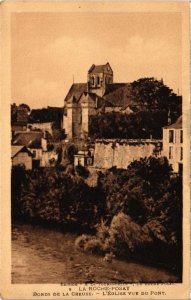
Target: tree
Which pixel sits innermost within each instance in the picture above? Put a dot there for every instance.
(154, 95)
(25, 107)
(154, 105)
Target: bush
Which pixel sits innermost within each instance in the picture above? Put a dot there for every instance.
(81, 241)
(82, 171)
(94, 245)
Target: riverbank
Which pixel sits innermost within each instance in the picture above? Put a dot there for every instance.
(41, 255)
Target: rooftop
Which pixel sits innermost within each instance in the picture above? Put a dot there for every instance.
(99, 68)
(16, 149)
(176, 125)
(30, 139)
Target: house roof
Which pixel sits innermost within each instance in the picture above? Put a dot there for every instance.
(30, 139)
(16, 149)
(176, 125)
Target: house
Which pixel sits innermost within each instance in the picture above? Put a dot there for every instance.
(173, 145)
(45, 126)
(39, 144)
(121, 152)
(83, 158)
(20, 155)
(99, 94)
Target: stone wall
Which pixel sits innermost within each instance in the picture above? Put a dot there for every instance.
(121, 153)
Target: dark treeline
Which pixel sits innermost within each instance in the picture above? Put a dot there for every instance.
(134, 213)
(137, 125)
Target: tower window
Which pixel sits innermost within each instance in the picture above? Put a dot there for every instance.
(92, 80)
(98, 80)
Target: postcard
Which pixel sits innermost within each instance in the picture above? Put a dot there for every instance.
(95, 146)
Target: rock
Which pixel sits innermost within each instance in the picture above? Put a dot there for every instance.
(89, 280)
(77, 265)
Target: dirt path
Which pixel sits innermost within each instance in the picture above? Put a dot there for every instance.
(45, 256)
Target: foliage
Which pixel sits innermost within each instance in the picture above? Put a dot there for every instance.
(56, 196)
(49, 114)
(132, 126)
(15, 110)
(137, 212)
(151, 197)
(81, 241)
(82, 171)
(154, 102)
(153, 94)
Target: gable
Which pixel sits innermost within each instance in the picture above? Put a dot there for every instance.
(100, 69)
(15, 150)
(29, 139)
(75, 91)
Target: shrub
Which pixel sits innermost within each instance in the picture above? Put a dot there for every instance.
(82, 171)
(94, 245)
(81, 241)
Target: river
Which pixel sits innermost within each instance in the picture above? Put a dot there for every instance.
(41, 255)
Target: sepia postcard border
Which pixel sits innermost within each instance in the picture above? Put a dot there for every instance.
(58, 291)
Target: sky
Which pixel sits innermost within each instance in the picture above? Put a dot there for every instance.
(51, 50)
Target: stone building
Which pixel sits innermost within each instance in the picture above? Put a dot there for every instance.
(98, 78)
(99, 94)
(20, 155)
(121, 152)
(45, 127)
(173, 145)
(38, 144)
(83, 158)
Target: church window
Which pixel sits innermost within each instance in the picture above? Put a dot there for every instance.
(98, 80)
(92, 80)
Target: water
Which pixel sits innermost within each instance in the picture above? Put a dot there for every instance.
(40, 255)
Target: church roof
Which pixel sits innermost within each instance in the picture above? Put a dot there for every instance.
(99, 68)
(118, 94)
(101, 102)
(76, 91)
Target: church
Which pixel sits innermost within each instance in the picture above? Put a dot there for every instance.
(98, 95)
